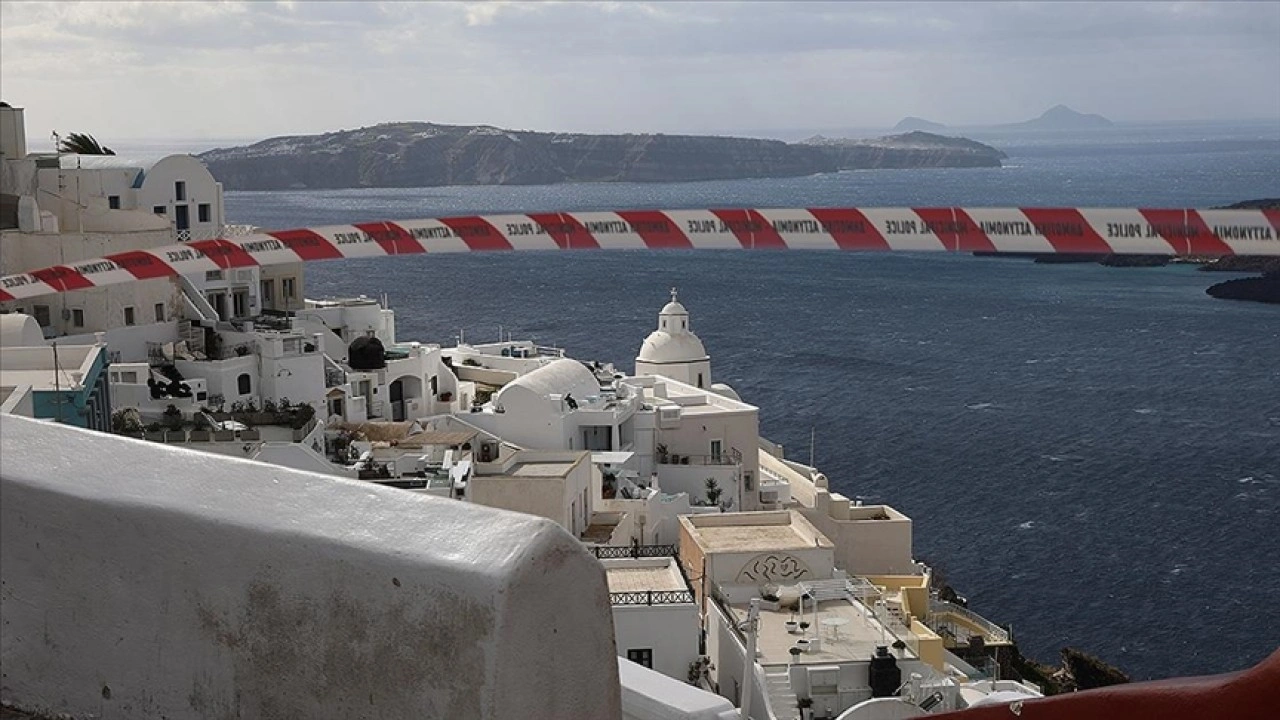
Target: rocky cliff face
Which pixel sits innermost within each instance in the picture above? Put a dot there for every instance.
(426, 155)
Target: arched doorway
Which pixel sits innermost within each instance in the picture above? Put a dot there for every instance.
(404, 393)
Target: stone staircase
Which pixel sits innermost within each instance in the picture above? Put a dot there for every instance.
(778, 688)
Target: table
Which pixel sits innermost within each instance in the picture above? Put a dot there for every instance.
(834, 624)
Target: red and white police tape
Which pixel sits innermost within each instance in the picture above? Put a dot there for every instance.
(947, 229)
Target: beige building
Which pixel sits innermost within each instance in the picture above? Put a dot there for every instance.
(655, 619)
(736, 554)
(552, 484)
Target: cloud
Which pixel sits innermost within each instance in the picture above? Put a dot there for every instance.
(251, 69)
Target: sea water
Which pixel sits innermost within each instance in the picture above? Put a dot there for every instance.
(1089, 454)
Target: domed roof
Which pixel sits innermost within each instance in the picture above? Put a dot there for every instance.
(672, 342)
(558, 377)
(664, 347)
(673, 308)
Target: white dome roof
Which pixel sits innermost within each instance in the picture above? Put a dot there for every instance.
(673, 308)
(558, 377)
(664, 347)
(672, 342)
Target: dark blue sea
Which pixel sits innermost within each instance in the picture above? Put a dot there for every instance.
(1089, 454)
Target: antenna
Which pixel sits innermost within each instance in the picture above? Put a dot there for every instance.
(813, 436)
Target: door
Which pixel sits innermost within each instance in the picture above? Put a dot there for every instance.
(716, 448)
(182, 217)
(397, 401)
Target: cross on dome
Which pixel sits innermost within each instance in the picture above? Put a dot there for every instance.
(673, 294)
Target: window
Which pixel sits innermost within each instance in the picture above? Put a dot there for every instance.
(160, 210)
(641, 656)
(128, 316)
(77, 317)
(113, 202)
(42, 315)
(159, 312)
(180, 191)
(129, 376)
(716, 448)
(203, 212)
(286, 288)
(699, 379)
(244, 384)
(212, 275)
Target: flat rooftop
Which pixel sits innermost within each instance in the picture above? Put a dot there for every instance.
(540, 469)
(34, 366)
(847, 632)
(639, 575)
(754, 532)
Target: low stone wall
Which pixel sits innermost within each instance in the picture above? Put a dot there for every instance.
(146, 581)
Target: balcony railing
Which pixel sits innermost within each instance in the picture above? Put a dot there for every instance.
(651, 597)
(938, 609)
(224, 231)
(612, 552)
(732, 457)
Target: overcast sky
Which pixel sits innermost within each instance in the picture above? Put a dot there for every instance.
(130, 70)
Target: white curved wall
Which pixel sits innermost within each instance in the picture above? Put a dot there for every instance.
(147, 581)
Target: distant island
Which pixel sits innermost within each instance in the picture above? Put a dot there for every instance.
(912, 124)
(1061, 117)
(1058, 117)
(420, 154)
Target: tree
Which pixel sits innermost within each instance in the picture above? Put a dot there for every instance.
(82, 144)
(713, 492)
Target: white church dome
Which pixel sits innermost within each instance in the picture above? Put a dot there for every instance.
(673, 341)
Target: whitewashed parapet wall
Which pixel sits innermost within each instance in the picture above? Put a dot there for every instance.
(146, 581)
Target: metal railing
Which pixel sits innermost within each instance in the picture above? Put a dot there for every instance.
(223, 231)
(651, 597)
(938, 608)
(732, 457)
(613, 552)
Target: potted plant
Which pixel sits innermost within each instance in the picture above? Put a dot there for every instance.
(713, 491)
(806, 708)
(792, 625)
(803, 644)
(662, 453)
(804, 626)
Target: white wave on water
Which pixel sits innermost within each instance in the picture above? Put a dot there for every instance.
(1144, 411)
(980, 406)
(1027, 525)
(1063, 458)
